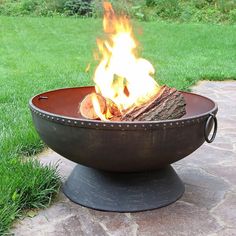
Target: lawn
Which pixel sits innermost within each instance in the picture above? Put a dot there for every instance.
(39, 54)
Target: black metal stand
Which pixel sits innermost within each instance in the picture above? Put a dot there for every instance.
(123, 192)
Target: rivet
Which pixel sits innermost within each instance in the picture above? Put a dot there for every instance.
(75, 122)
(177, 123)
(112, 125)
(89, 124)
(52, 118)
(58, 119)
(69, 121)
(127, 126)
(104, 125)
(135, 126)
(96, 124)
(63, 120)
(119, 125)
(164, 124)
(48, 117)
(150, 125)
(82, 123)
(157, 125)
(143, 125)
(171, 124)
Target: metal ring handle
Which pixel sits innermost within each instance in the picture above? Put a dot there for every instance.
(210, 118)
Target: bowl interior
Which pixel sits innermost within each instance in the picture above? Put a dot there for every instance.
(65, 102)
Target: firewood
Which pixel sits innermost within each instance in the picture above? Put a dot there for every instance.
(167, 104)
(86, 108)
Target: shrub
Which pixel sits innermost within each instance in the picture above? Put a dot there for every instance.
(32, 7)
(215, 11)
(232, 16)
(172, 10)
(78, 7)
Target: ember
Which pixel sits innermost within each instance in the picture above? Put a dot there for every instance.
(125, 88)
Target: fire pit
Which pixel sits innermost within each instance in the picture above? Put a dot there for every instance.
(126, 131)
(122, 166)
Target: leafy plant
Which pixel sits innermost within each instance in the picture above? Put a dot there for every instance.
(215, 11)
(78, 7)
(232, 15)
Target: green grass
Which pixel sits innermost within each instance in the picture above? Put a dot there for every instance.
(186, 53)
(39, 54)
(24, 185)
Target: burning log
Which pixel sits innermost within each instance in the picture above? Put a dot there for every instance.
(86, 107)
(167, 104)
(107, 108)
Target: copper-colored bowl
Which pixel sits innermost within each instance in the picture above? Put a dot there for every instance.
(119, 146)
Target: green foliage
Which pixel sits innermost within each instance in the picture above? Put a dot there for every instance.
(32, 7)
(232, 15)
(78, 7)
(24, 184)
(214, 11)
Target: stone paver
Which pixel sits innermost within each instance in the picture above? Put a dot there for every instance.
(208, 206)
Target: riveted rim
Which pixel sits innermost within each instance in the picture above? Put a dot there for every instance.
(124, 125)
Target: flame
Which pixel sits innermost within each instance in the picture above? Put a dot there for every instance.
(97, 109)
(121, 76)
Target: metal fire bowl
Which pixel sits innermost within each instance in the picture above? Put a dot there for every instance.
(118, 150)
(118, 146)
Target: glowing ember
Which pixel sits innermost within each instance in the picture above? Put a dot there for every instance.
(121, 76)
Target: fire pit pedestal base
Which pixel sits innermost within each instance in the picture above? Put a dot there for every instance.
(123, 192)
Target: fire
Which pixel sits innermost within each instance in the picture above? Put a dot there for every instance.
(97, 108)
(121, 75)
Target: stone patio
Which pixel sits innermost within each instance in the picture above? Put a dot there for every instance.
(208, 206)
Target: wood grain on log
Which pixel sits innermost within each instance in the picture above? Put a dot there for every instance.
(86, 108)
(167, 104)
